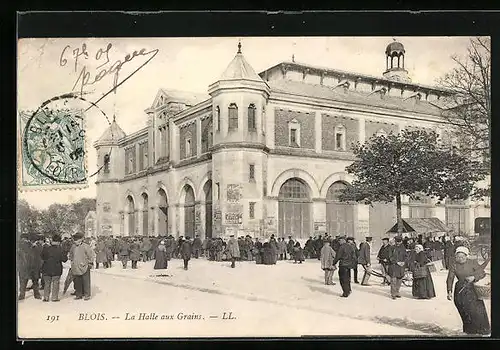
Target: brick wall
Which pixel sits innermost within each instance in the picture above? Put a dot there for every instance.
(182, 139)
(306, 121)
(372, 127)
(328, 124)
(206, 129)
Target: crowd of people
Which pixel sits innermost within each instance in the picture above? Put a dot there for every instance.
(40, 260)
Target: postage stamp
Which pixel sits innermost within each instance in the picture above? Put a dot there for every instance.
(52, 145)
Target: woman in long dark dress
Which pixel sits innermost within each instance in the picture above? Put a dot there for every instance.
(161, 256)
(471, 309)
(422, 288)
(267, 258)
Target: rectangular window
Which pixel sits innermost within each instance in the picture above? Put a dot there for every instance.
(251, 210)
(293, 136)
(339, 141)
(252, 172)
(188, 148)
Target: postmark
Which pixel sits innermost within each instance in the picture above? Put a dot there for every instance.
(53, 145)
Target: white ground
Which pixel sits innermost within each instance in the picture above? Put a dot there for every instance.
(276, 301)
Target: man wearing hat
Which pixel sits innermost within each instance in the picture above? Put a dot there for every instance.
(383, 258)
(327, 256)
(397, 260)
(27, 269)
(346, 256)
(233, 250)
(81, 256)
(186, 251)
(364, 259)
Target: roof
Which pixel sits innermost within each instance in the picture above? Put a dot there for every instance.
(303, 65)
(352, 96)
(187, 97)
(238, 69)
(112, 133)
(395, 46)
(421, 226)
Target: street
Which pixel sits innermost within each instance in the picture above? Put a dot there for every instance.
(211, 299)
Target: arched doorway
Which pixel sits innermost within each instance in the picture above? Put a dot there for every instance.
(189, 215)
(339, 215)
(207, 189)
(294, 209)
(131, 215)
(145, 215)
(162, 213)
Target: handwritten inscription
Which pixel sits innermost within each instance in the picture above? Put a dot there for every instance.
(106, 66)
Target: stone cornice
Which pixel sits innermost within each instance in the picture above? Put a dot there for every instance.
(193, 160)
(236, 145)
(133, 137)
(308, 153)
(192, 111)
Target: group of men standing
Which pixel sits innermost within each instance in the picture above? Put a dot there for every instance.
(41, 258)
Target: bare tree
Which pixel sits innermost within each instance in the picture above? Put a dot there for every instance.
(468, 108)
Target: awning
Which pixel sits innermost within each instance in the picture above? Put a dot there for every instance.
(421, 226)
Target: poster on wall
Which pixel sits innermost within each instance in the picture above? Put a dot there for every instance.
(106, 230)
(233, 218)
(197, 221)
(233, 193)
(319, 227)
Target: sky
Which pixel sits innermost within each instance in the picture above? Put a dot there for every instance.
(47, 68)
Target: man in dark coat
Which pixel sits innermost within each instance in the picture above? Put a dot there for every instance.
(346, 256)
(449, 252)
(135, 252)
(249, 247)
(178, 245)
(53, 256)
(364, 259)
(397, 260)
(27, 269)
(257, 251)
(309, 248)
(350, 240)
(383, 258)
(336, 244)
(186, 250)
(289, 246)
(146, 246)
(123, 251)
(197, 244)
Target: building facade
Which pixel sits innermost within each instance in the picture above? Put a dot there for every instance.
(265, 153)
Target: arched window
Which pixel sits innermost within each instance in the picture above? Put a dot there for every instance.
(340, 138)
(233, 116)
(217, 115)
(251, 117)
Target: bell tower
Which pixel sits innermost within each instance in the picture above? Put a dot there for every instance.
(395, 62)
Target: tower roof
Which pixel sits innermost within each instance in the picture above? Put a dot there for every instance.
(394, 47)
(239, 68)
(112, 133)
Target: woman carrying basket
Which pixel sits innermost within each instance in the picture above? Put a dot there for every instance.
(423, 286)
(467, 301)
